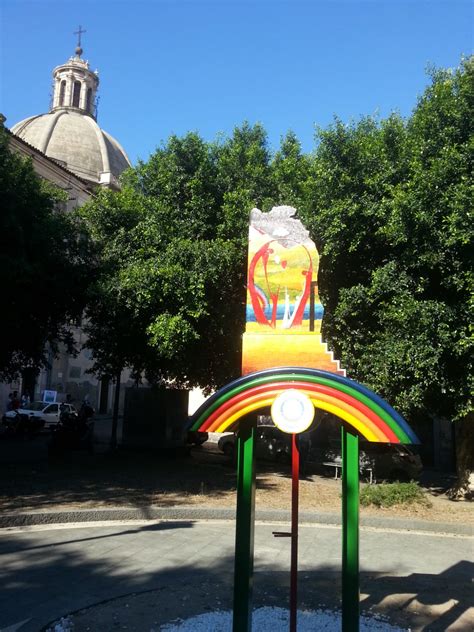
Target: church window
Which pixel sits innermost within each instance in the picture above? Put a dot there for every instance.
(62, 92)
(76, 95)
(75, 371)
(88, 100)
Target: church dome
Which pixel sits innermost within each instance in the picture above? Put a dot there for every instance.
(69, 132)
(76, 140)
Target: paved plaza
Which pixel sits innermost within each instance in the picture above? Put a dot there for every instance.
(140, 574)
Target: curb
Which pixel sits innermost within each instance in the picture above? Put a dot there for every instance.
(35, 518)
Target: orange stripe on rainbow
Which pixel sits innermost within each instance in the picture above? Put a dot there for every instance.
(360, 407)
(344, 406)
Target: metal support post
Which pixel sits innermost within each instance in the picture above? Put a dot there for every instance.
(350, 532)
(295, 476)
(245, 520)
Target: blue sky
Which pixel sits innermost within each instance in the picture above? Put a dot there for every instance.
(172, 66)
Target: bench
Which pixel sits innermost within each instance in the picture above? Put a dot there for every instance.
(338, 468)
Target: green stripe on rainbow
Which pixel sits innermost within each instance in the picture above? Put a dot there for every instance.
(365, 411)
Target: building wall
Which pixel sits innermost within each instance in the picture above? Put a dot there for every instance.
(68, 375)
(78, 190)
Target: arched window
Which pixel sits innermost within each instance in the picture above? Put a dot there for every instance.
(62, 92)
(76, 95)
(88, 100)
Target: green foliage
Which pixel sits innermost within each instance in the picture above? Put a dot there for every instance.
(41, 261)
(172, 245)
(173, 249)
(244, 179)
(290, 173)
(390, 206)
(388, 203)
(392, 494)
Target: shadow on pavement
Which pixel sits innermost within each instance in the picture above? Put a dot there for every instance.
(46, 585)
(136, 479)
(429, 602)
(159, 526)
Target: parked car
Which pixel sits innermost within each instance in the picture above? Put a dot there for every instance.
(392, 461)
(49, 413)
(271, 444)
(385, 461)
(21, 425)
(196, 437)
(226, 444)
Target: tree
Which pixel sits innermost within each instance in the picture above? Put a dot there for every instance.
(389, 205)
(43, 269)
(169, 300)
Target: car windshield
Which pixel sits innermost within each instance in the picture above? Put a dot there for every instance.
(36, 406)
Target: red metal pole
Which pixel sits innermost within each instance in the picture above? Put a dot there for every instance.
(295, 475)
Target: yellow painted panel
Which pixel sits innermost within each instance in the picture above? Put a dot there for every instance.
(266, 351)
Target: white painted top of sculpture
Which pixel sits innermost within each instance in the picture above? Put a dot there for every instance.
(280, 224)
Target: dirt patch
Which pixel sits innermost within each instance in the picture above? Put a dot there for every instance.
(204, 478)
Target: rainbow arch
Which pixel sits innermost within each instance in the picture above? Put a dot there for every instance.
(360, 407)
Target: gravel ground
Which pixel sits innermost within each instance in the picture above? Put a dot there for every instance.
(267, 619)
(277, 620)
(206, 477)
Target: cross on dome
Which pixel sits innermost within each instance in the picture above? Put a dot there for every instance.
(79, 32)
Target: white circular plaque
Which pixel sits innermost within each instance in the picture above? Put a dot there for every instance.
(292, 411)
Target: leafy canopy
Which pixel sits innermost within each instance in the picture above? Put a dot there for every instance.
(390, 205)
(387, 203)
(169, 301)
(43, 268)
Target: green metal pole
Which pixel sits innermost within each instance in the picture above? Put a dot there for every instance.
(295, 482)
(245, 521)
(350, 532)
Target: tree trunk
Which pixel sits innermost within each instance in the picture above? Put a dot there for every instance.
(104, 395)
(464, 437)
(113, 436)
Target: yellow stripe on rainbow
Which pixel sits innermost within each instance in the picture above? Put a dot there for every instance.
(226, 421)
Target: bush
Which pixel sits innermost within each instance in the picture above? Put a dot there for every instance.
(390, 494)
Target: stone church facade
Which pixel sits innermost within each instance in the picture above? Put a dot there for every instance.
(68, 148)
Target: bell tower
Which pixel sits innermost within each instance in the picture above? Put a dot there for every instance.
(75, 85)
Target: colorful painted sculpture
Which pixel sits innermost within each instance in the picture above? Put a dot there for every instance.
(283, 311)
(360, 407)
(368, 414)
(283, 352)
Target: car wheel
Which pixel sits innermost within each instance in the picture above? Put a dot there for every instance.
(283, 457)
(399, 476)
(228, 449)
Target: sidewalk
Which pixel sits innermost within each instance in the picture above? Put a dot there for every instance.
(136, 540)
(140, 575)
(123, 513)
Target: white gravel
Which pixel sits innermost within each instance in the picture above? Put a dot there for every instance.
(64, 625)
(277, 620)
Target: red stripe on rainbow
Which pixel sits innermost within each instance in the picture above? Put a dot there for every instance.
(369, 423)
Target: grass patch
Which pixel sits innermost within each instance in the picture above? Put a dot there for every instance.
(390, 494)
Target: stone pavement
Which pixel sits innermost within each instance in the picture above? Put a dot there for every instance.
(139, 574)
